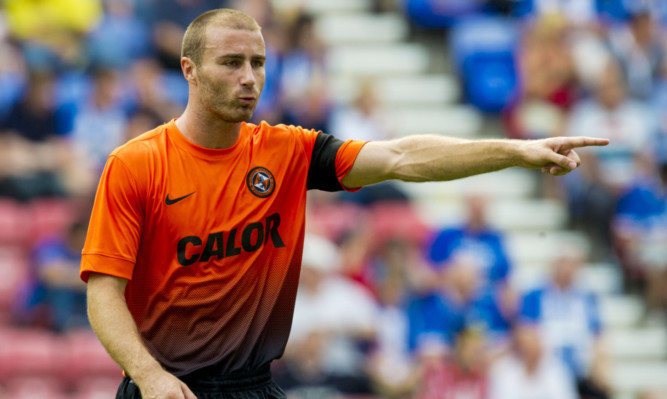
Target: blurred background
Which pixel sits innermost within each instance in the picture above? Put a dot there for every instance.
(507, 285)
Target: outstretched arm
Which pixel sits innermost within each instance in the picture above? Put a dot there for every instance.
(438, 158)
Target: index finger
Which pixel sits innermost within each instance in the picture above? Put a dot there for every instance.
(576, 142)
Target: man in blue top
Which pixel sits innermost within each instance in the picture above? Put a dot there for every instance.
(568, 317)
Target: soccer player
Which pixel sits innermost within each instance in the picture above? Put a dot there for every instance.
(194, 247)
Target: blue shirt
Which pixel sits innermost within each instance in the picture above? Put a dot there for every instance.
(486, 245)
(441, 315)
(569, 320)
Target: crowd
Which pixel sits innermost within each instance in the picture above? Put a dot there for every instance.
(385, 306)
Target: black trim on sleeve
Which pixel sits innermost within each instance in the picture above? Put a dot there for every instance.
(322, 170)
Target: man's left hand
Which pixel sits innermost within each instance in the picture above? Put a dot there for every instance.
(556, 155)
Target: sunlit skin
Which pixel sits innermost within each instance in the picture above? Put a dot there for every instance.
(224, 88)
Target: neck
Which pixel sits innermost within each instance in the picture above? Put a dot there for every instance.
(206, 130)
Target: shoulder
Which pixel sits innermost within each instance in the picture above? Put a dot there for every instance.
(531, 305)
(449, 233)
(140, 147)
(263, 129)
(535, 293)
(490, 234)
(293, 141)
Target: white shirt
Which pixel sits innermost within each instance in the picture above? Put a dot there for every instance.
(341, 307)
(629, 127)
(508, 379)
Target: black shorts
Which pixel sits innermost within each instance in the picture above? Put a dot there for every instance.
(256, 385)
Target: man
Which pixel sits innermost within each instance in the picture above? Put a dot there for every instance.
(194, 247)
(568, 317)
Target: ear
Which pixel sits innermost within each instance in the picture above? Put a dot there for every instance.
(189, 69)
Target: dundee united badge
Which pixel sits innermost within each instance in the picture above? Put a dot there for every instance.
(261, 182)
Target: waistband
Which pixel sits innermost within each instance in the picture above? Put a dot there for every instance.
(204, 380)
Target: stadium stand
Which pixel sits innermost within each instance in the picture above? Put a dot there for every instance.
(432, 73)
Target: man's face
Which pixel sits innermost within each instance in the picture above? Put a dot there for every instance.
(230, 77)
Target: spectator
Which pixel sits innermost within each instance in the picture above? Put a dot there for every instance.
(337, 310)
(462, 375)
(529, 371)
(640, 50)
(363, 119)
(301, 372)
(548, 80)
(303, 61)
(120, 37)
(150, 99)
(391, 366)
(171, 18)
(591, 193)
(99, 125)
(477, 238)
(58, 288)
(51, 32)
(391, 257)
(458, 302)
(31, 150)
(640, 228)
(567, 316)
(12, 74)
(311, 108)
(303, 80)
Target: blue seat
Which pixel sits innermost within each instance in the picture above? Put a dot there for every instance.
(440, 13)
(483, 54)
(490, 80)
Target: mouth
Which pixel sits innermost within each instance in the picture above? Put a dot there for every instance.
(247, 100)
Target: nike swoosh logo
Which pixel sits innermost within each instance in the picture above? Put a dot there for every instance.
(169, 201)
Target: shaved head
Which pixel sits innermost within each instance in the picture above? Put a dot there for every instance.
(193, 40)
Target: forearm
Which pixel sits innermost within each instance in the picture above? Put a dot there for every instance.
(116, 329)
(437, 158)
(430, 158)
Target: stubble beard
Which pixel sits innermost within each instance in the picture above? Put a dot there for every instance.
(223, 107)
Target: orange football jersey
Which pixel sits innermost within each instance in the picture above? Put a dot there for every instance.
(211, 239)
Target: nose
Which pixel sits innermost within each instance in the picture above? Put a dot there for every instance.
(247, 75)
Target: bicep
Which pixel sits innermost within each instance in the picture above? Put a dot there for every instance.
(101, 285)
(373, 164)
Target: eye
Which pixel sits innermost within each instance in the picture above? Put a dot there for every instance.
(258, 63)
(231, 63)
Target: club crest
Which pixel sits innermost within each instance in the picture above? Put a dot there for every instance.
(260, 182)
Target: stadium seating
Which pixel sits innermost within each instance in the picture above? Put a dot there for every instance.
(374, 60)
(15, 273)
(35, 388)
(455, 120)
(335, 29)
(49, 217)
(389, 220)
(483, 55)
(33, 353)
(97, 388)
(332, 220)
(86, 360)
(14, 223)
(438, 13)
